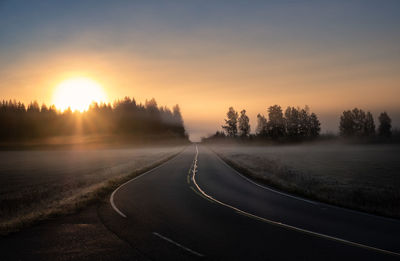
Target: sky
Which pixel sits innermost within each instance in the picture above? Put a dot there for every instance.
(209, 55)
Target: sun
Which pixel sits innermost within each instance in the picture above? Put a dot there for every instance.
(78, 94)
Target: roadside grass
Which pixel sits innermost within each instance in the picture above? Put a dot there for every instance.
(371, 187)
(43, 204)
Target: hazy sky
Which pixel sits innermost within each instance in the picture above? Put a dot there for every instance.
(209, 55)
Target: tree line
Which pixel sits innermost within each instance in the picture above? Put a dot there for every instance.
(358, 123)
(125, 117)
(299, 123)
(294, 123)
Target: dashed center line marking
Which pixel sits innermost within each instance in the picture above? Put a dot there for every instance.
(178, 245)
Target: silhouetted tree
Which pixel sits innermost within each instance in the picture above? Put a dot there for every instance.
(262, 126)
(315, 125)
(385, 125)
(347, 124)
(276, 122)
(369, 125)
(356, 123)
(300, 123)
(244, 124)
(231, 123)
(292, 122)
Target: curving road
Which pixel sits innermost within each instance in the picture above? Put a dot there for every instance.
(196, 207)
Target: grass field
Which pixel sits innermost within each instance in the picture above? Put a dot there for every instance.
(36, 184)
(362, 177)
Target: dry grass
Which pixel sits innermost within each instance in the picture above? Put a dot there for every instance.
(362, 177)
(36, 185)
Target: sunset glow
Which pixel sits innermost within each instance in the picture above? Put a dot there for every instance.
(207, 56)
(78, 94)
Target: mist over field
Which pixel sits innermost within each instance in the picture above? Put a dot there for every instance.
(364, 177)
(34, 182)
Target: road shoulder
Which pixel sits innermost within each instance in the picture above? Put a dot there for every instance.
(80, 236)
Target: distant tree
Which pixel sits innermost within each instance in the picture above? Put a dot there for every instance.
(356, 123)
(151, 106)
(244, 124)
(178, 121)
(292, 122)
(369, 125)
(304, 122)
(385, 125)
(176, 114)
(276, 122)
(315, 127)
(219, 134)
(33, 107)
(347, 124)
(231, 123)
(44, 108)
(359, 117)
(299, 123)
(262, 126)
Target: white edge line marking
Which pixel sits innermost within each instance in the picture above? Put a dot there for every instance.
(305, 231)
(141, 175)
(177, 244)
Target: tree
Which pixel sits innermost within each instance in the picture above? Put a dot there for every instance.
(347, 124)
(33, 107)
(385, 125)
(292, 121)
(359, 120)
(178, 120)
(369, 125)
(177, 116)
(315, 125)
(356, 123)
(262, 126)
(244, 125)
(304, 122)
(231, 123)
(299, 123)
(276, 123)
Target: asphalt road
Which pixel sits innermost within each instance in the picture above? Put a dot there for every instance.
(197, 207)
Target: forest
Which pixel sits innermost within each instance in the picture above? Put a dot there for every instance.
(125, 118)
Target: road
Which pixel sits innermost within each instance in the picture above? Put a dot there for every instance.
(197, 207)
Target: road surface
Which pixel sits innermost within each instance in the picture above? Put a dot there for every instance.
(197, 207)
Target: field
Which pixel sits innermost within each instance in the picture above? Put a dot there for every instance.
(36, 184)
(362, 177)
